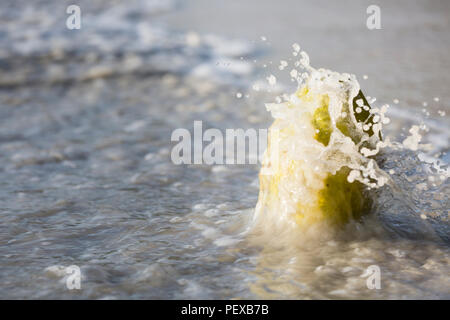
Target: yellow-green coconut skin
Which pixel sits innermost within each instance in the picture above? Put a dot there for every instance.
(338, 201)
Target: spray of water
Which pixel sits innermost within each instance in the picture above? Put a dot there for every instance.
(324, 153)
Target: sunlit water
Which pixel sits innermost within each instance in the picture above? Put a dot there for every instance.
(86, 177)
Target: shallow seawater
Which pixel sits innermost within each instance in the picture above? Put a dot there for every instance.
(87, 179)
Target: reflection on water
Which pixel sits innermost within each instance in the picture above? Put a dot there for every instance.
(86, 179)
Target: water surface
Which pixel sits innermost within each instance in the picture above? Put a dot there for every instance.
(86, 177)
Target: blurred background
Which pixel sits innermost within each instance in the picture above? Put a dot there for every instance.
(406, 59)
